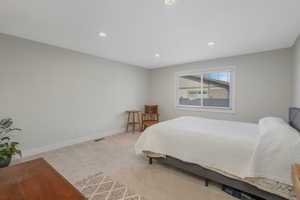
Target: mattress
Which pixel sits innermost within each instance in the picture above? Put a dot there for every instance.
(244, 150)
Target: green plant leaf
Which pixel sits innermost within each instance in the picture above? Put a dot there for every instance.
(14, 143)
(5, 138)
(6, 123)
(19, 152)
(7, 148)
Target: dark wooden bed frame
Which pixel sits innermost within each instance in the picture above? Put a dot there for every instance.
(209, 175)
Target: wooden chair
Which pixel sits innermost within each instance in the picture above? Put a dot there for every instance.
(150, 116)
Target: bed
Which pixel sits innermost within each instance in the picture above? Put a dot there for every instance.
(234, 154)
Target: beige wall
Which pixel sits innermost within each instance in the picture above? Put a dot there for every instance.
(296, 74)
(59, 97)
(263, 86)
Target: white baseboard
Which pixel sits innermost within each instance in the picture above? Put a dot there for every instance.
(34, 151)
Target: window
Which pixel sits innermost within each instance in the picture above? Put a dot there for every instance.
(209, 89)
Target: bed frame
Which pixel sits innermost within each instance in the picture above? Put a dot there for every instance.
(209, 175)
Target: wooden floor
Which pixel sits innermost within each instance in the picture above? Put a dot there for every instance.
(35, 180)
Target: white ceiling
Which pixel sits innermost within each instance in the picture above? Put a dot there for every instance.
(138, 29)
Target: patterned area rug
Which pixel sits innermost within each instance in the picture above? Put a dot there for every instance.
(101, 187)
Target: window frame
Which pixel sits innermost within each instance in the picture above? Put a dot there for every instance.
(232, 96)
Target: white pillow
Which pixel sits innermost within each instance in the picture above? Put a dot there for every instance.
(271, 124)
(277, 149)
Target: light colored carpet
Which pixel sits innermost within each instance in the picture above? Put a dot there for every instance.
(116, 158)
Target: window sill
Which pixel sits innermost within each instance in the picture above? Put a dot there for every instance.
(203, 109)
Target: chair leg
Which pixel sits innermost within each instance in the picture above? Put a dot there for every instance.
(128, 119)
(140, 123)
(143, 126)
(133, 126)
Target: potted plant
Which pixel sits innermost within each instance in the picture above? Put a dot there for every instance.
(8, 148)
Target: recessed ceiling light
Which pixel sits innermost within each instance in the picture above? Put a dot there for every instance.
(169, 2)
(157, 55)
(211, 44)
(102, 34)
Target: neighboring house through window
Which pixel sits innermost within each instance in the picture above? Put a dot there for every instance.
(207, 89)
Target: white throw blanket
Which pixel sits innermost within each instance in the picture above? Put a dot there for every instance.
(237, 148)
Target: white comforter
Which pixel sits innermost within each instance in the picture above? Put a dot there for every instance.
(234, 147)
